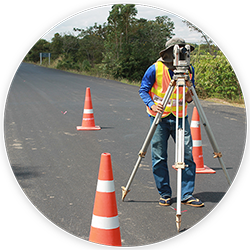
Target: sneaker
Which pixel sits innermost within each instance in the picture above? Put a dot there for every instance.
(194, 202)
(165, 201)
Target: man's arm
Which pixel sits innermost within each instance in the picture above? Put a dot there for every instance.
(147, 83)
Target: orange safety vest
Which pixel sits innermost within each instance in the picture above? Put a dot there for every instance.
(159, 89)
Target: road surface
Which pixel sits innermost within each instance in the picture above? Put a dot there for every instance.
(57, 166)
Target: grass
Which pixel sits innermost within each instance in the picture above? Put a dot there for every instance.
(238, 103)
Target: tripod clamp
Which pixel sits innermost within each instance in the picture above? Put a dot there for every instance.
(180, 165)
(142, 154)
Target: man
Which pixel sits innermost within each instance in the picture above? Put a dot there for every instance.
(153, 87)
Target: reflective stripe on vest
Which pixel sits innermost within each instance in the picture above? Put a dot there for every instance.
(159, 89)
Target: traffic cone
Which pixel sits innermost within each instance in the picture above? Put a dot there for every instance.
(88, 121)
(105, 227)
(197, 145)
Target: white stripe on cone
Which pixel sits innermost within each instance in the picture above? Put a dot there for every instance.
(195, 124)
(105, 222)
(88, 111)
(105, 186)
(197, 143)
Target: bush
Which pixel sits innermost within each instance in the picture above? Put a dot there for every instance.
(67, 64)
(86, 65)
(215, 77)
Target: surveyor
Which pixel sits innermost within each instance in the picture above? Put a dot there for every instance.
(153, 87)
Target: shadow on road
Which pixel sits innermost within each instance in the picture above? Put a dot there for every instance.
(220, 169)
(213, 197)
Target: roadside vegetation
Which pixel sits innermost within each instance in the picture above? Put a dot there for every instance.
(124, 47)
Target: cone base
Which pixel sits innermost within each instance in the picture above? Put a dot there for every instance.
(108, 237)
(80, 128)
(204, 170)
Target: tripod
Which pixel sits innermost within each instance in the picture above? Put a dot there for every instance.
(180, 80)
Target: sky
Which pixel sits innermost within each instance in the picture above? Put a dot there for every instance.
(99, 15)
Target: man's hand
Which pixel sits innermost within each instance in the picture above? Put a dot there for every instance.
(157, 108)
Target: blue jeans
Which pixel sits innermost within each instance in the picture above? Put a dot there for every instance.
(159, 147)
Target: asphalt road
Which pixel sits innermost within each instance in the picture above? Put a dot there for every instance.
(57, 166)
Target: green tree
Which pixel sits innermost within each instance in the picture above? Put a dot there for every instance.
(120, 20)
(56, 46)
(131, 45)
(34, 54)
(70, 46)
(91, 44)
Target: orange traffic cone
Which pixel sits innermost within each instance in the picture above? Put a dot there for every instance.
(105, 228)
(88, 121)
(197, 145)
